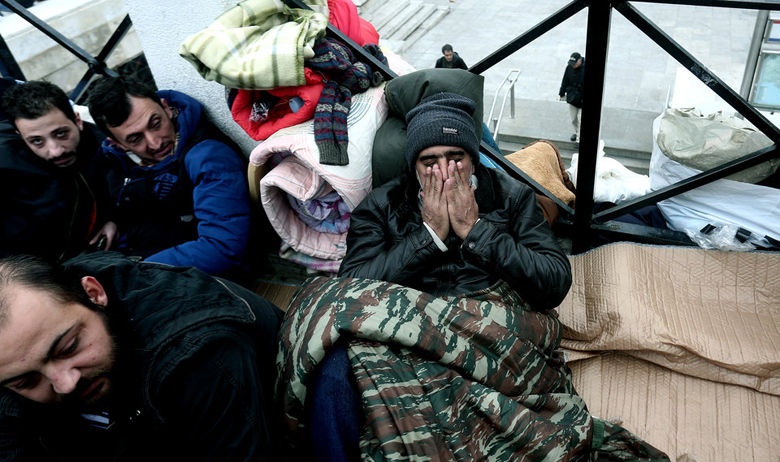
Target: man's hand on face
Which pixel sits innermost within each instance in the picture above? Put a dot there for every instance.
(462, 206)
(434, 203)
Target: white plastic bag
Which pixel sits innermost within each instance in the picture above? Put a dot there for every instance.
(614, 182)
(721, 238)
(720, 203)
(704, 142)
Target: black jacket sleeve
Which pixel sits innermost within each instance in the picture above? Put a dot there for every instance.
(565, 81)
(17, 442)
(516, 244)
(375, 249)
(214, 403)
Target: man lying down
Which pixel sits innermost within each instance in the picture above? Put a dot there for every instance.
(454, 356)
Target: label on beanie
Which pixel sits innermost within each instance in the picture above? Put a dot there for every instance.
(449, 131)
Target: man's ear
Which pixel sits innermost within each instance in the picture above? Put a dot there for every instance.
(79, 122)
(166, 107)
(95, 290)
(117, 143)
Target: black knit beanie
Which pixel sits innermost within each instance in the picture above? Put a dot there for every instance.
(443, 119)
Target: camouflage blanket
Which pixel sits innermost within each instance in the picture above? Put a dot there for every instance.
(475, 377)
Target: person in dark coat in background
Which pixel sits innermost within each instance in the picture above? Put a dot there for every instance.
(450, 60)
(571, 92)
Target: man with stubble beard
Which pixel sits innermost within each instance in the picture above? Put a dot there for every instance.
(178, 183)
(52, 195)
(104, 358)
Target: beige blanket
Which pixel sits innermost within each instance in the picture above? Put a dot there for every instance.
(680, 344)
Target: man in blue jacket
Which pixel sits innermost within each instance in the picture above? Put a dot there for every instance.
(178, 184)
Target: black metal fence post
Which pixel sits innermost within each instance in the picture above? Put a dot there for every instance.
(8, 65)
(596, 49)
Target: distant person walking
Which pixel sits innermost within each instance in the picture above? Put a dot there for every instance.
(450, 60)
(571, 88)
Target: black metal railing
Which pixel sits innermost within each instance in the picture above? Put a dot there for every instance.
(586, 223)
(95, 64)
(582, 223)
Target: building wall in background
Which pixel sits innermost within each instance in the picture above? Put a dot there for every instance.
(161, 27)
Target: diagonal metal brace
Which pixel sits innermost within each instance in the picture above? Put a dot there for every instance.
(699, 70)
(101, 58)
(750, 160)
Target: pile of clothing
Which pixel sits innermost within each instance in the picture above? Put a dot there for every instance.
(314, 105)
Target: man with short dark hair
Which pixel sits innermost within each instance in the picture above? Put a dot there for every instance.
(450, 60)
(106, 359)
(179, 184)
(47, 175)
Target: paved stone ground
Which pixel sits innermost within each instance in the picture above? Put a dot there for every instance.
(640, 76)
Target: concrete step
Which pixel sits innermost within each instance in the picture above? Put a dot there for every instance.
(415, 21)
(362, 6)
(381, 16)
(88, 23)
(367, 9)
(400, 18)
(430, 22)
(401, 23)
(434, 18)
(396, 46)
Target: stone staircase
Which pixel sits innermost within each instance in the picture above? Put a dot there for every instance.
(401, 22)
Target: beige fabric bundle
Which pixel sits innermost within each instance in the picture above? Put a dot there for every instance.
(541, 161)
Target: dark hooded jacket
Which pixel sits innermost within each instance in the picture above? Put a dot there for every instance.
(196, 356)
(457, 62)
(47, 211)
(572, 84)
(512, 241)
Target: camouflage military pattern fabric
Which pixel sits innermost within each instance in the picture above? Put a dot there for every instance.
(475, 377)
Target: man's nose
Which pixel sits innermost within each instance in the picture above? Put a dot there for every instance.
(56, 150)
(443, 164)
(153, 142)
(64, 378)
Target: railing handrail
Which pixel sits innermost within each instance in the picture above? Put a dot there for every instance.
(510, 80)
(95, 64)
(599, 23)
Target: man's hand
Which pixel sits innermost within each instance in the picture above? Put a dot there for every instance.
(561, 98)
(461, 203)
(109, 230)
(434, 203)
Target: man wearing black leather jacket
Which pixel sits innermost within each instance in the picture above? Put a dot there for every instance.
(450, 227)
(108, 359)
(453, 226)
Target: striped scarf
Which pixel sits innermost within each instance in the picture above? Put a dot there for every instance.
(345, 76)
